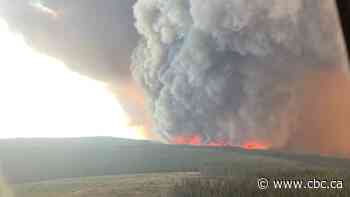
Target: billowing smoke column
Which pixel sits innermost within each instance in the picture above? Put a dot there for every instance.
(258, 74)
(233, 71)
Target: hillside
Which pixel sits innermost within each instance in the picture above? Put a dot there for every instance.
(138, 185)
(32, 160)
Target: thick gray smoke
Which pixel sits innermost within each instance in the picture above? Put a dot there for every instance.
(228, 69)
(224, 70)
(91, 37)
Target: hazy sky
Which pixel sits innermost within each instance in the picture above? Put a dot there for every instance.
(41, 97)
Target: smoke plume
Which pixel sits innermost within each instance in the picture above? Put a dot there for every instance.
(215, 72)
(234, 69)
(93, 38)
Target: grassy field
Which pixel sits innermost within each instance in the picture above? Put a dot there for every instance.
(234, 177)
(243, 184)
(49, 167)
(34, 160)
(139, 185)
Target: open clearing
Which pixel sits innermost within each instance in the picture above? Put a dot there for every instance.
(98, 165)
(138, 185)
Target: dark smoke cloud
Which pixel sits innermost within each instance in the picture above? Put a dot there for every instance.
(221, 69)
(230, 68)
(93, 37)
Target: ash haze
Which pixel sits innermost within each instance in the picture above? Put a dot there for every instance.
(41, 97)
(209, 72)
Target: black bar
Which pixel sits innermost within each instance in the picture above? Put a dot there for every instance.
(344, 13)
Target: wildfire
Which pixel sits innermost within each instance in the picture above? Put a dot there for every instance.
(197, 140)
(255, 145)
(219, 143)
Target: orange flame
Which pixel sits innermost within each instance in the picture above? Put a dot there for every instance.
(255, 145)
(196, 140)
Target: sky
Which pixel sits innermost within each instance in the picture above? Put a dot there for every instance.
(41, 97)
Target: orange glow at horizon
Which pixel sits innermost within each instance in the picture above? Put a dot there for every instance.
(196, 140)
(255, 145)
